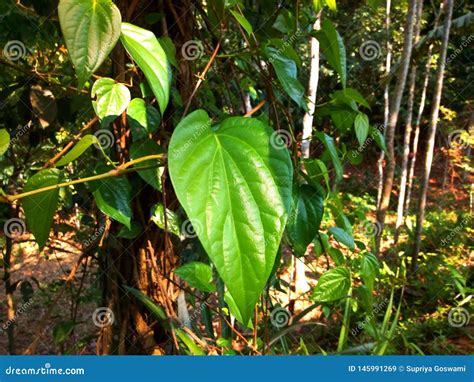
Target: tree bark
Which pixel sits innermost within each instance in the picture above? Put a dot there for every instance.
(432, 133)
(408, 126)
(394, 111)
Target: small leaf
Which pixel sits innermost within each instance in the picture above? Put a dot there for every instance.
(378, 138)
(342, 237)
(112, 196)
(332, 285)
(170, 50)
(111, 99)
(173, 223)
(62, 331)
(4, 141)
(91, 28)
(369, 268)
(333, 48)
(331, 147)
(147, 52)
(286, 71)
(331, 4)
(198, 275)
(303, 222)
(79, 148)
(244, 23)
(316, 168)
(143, 119)
(152, 175)
(40, 208)
(361, 125)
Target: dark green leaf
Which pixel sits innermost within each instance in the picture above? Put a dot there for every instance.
(173, 223)
(143, 119)
(62, 331)
(40, 208)
(130, 233)
(342, 237)
(331, 147)
(244, 23)
(235, 186)
(369, 268)
(152, 175)
(361, 125)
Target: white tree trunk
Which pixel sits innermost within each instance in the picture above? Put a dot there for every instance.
(432, 132)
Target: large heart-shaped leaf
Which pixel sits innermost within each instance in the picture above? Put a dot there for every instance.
(111, 98)
(303, 223)
(40, 208)
(147, 52)
(332, 285)
(112, 196)
(235, 187)
(91, 29)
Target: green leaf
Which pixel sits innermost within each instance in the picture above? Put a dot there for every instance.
(235, 187)
(4, 141)
(79, 148)
(110, 99)
(350, 96)
(112, 196)
(155, 309)
(369, 268)
(173, 223)
(305, 219)
(198, 275)
(152, 175)
(342, 237)
(170, 50)
(361, 125)
(143, 119)
(333, 48)
(378, 138)
(374, 3)
(286, 71)
(147, 52)
(331, 147)
(332, 285)
(62, 331)
(332, 5)
(130, 233)
(40, 208)
(285, 48)
(91, 28)
(315, 169)
(244, 23)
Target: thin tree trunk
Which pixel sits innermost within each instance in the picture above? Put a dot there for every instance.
(421, 108)
(386, 93)
(394, 111)
(408, 127)
(432, 132)
(301, 284)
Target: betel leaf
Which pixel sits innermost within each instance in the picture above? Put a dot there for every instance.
(112, 196)
(143, 119)
(110, 99)
(305, 218)
(369, 268)
(235, 187)
(91, 28)
(315, 169)
(332, 285)
(378, 137)
(331, 148)
(78, 149)
(4, 141)
(147, 52)
(342, 237)
(150, 175)
(361, 125)
(198, 275)
(244, 23)
(350, 97)
(40, 208)
(172, 223)
(286, 71)
(333, 48)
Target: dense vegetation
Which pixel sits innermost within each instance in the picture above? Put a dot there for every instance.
(236, 177)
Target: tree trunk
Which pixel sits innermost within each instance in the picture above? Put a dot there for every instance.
(394, 111)
(414, 149)
(408, 127)
(432, 132)
(386, 111)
